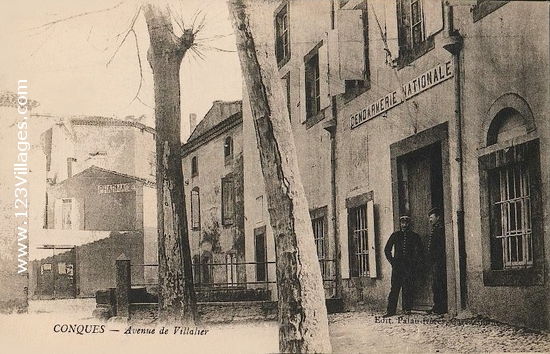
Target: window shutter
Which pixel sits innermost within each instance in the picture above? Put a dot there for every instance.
(58, 214)
(392, 39)
(336, 85)
(323, 76)
(351, 44)
(371, 239)
(345, 244)
(303, 112)
(228, 201)
(195, 209)
(433, 16)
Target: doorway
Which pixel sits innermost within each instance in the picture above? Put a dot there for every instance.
(420, 187)
(56, 276)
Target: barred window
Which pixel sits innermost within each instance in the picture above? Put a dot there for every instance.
(319, 232)
(362, 236)
(359, 242)
(515, 217)
(511, 204)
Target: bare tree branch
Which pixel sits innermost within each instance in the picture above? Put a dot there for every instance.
(216, 49)
(131, 29)
(213, 38)
(49, 24)
(136, 97)
(43, 42)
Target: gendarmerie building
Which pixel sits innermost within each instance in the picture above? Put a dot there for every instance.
(399, 106)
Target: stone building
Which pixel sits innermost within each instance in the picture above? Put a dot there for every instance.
(212, 160)
(398, 106)
(100, 202)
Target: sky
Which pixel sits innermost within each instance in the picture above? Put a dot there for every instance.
(73, 67)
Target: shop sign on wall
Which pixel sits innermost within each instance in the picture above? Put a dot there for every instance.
(116, 188)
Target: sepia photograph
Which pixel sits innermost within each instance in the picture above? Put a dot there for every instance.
(275, 176)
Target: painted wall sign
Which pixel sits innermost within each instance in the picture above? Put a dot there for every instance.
(430, 78)
(116, 188)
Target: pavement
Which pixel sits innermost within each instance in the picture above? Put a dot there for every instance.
(363, 332)
(350, 332)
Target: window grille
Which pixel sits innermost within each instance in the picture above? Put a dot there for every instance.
(360, 241)
(515, 217)
(319, 232)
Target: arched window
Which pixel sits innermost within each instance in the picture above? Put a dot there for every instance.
(228, 148)
(509, 184)
(506, 125)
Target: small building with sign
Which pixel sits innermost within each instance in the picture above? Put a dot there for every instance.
(403, 105)
(100, 201)
(93, 218)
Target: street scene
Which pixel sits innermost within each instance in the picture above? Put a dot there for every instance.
(291, 176)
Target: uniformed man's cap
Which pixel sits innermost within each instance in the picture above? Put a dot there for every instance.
(405, 217)
(434, 210)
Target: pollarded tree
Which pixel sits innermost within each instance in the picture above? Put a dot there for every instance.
(303, 323)
(176, 293)
(177, 300)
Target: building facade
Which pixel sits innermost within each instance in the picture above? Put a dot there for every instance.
(399, 106)
(212, 160)
(100, 203)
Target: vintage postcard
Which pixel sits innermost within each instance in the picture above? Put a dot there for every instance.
(301, 176)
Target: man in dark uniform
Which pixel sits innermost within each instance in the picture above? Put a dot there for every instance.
(406, 257)
(437, 260)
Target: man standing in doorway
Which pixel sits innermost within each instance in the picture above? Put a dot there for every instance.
(437, 259)
(406, 257)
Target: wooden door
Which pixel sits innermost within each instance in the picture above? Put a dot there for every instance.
(421, 188)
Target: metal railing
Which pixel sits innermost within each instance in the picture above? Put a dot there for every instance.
(233, 276)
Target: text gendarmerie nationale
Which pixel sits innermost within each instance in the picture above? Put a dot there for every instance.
(20, 170)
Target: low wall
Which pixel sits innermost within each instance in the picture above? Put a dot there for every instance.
(216, 312)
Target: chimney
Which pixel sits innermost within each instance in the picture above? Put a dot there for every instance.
(192, 122)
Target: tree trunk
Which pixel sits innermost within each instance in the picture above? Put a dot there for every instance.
(177, 303)
(303, 324)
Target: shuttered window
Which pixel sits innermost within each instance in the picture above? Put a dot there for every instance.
(361, 242)
(228, 201)
(195, 209)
